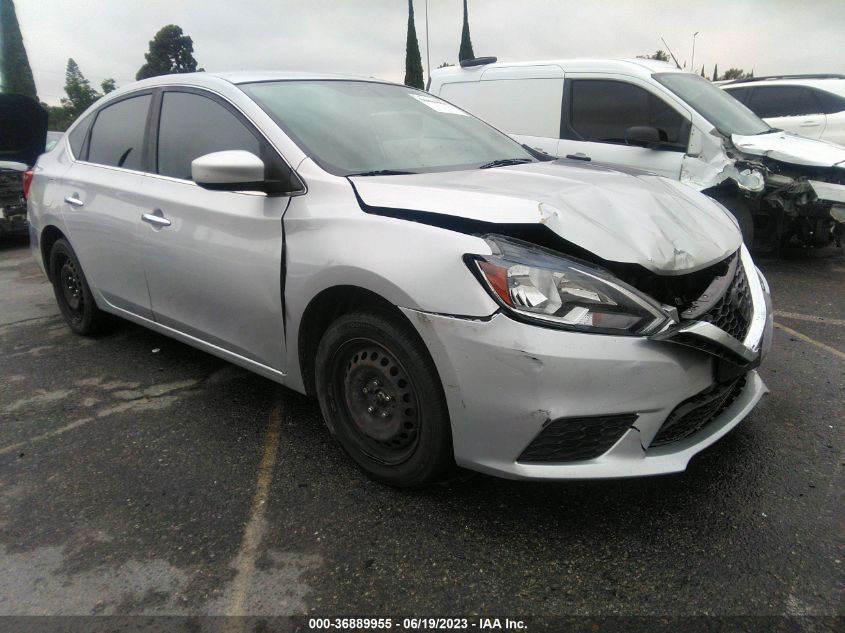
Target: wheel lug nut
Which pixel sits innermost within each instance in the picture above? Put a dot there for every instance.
(370, 409)
(387, 398)
(365, 390)
(385, 414)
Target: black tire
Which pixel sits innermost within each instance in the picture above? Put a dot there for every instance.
(382, 399)
(73, 294)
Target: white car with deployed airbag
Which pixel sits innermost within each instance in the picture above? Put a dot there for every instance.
(450, 296)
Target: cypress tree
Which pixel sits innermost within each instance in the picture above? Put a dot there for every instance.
(15, 72)
(413, 61)
(716, 72)
(466, 51)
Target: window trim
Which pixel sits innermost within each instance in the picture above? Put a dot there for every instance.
(568, 133)
(232, 109)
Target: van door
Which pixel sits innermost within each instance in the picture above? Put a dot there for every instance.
(599, 111)
(523, 101)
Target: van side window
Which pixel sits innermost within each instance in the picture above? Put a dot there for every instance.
(602, 110)
(775, 101)
(117, 139)
(193, 125)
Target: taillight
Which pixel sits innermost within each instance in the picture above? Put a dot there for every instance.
(27, 183)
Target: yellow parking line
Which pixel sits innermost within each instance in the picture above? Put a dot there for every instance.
(811, 341)
(256, 526)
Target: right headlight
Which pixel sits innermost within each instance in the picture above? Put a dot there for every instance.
(538, 285)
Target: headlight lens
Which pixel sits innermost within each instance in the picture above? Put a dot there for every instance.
(541, 286)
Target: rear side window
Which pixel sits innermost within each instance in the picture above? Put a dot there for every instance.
(117, 138)
(830, 103)
(776, 101)
(193, 125)
(740, 94)
(77, 137)
(601, 111)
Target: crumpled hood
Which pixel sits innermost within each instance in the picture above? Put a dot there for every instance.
(791, 148)
(661, 224)
(23, 129)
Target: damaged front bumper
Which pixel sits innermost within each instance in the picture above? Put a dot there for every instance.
(513, 390)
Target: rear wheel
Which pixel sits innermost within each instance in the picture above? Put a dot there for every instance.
(73, 294)
(382, 399)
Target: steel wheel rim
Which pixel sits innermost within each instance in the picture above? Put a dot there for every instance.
(377, 400)
(70, 282)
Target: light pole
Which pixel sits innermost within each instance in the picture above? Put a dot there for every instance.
(427, 53)
(692, 59)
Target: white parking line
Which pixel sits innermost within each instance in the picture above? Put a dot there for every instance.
(808, 317)
(256, 526)
(811, 341)
(68, 427)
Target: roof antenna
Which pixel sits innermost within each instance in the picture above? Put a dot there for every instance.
(674, 59)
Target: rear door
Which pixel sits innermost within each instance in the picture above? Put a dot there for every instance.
(214, 271)
(792, 108)
(100, 193)
(599, 108)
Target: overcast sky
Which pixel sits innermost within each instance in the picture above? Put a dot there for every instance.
(108, 38)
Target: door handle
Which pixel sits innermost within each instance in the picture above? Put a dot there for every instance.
(810, 124)
(156, 219)
(74, 200)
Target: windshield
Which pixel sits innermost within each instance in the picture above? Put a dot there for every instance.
(726, 114)
(360, 127)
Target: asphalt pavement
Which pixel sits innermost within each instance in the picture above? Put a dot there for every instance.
(139, 476)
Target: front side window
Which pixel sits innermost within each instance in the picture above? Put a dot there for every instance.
(354, 127)
(117, 138)
(601, 111)
(191, 126)
(777, 101)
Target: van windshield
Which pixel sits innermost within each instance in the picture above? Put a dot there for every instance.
(367, 128)
(726, 114)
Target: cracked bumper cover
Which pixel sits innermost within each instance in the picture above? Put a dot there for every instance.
(503, 380)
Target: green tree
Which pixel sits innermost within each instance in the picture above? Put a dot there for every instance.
(413, 61)
(15, 72)
(736, 73)
(660, 56)
(108, 86)
(465, 51)
(716, 72)
(171, 52)
(79, 92)
(445, 65)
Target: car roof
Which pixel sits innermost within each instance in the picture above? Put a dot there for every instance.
(830, 83)
(638, 67)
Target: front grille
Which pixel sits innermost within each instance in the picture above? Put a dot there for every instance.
(695, 413)
(577, 439)
(732, 313)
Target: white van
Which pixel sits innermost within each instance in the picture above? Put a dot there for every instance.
(649, 115)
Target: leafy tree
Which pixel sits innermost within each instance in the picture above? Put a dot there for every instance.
(108, 86)
(171, 52)
(15, 72)
(716, 72)
(736, 73)
(465, 51)
(660, 56)
(59, 118)
(413, 61)
(79, 92)
(445, 65)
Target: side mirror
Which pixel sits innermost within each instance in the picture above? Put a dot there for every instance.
(643, 136)
(232, 170)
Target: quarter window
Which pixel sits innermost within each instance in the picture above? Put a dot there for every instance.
(192, 126)
(776, 101)
(601, 111)
(77, 137)
(118, 135)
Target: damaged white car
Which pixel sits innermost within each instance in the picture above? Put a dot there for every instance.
(649, 115)
(451, 297)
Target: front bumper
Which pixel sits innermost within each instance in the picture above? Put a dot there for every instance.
(505, 380)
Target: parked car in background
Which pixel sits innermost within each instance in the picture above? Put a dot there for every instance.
(808, 105)
(449, 296)
(650, 115)
(23, 129)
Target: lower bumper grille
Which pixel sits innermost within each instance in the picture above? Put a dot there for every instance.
(695, 413)
(577, 439)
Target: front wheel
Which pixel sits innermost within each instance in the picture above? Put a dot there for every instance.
(382, 399)
(73, 294)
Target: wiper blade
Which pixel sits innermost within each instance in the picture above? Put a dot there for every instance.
(502, 162)
(383, 172)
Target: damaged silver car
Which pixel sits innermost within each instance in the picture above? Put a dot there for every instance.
(451, 297)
